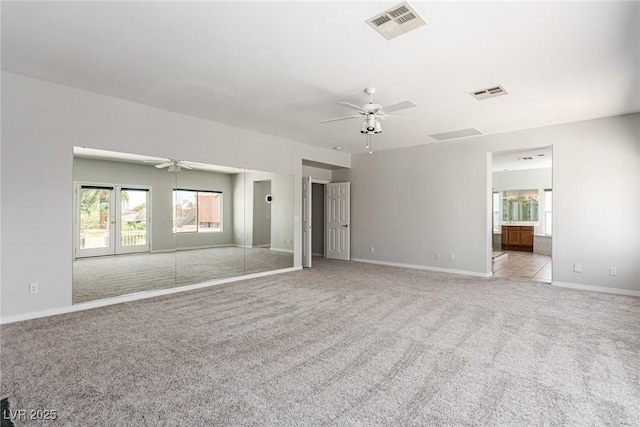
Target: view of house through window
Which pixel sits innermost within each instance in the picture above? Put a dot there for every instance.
(197, 211)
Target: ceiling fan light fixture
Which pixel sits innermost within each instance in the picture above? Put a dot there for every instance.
(371, 126)
(371, 122)
(175, 167)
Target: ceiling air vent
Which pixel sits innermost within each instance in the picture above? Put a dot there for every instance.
(492, 92)
(396, 21)
(456, 134)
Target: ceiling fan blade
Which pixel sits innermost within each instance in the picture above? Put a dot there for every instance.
(182, 165)
(341, 118)
(393, 117)
(164, 165)
(193, 165)
(352, 106)
(399, 106)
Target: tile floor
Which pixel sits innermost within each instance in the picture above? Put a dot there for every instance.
(522, 266)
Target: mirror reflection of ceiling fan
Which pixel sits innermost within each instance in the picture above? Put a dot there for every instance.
(173, 165)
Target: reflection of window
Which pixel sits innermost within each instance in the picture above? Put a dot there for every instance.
(197, 211)
(496, 212)
(548, 208)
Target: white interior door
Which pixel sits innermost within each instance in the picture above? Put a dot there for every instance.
(306, 221)
(338, 221)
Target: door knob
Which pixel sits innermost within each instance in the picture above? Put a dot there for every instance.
(346, 225)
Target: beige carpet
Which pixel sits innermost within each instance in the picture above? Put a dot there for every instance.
(343, 343)
(110, 276)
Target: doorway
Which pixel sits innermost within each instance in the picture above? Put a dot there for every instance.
(522, 214)
(111, 220)
(325, 220)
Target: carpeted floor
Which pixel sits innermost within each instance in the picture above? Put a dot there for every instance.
(344, 343)
(110, 276)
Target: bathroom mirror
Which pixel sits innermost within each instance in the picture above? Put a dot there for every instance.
(520, 205)
(144, 223)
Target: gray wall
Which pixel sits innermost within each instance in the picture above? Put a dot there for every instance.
(412, 203)
(262, 213)
(41, 122)
(282, 207)
(317, 173)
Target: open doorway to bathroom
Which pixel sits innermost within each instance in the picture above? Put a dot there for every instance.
(522, 214)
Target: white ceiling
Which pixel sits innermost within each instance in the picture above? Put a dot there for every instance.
(281, 67)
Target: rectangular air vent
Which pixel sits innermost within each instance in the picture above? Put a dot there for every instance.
(396, 21)
(456, 134)
(492, 92)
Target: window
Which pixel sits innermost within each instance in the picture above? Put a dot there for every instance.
(496, 212)
(197, 211)
(548, 208)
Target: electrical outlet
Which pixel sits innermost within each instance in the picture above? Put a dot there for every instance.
(452, 256)
(372, 249)
(577, 267)
(613, 271)
(437, 255)
(33, 288)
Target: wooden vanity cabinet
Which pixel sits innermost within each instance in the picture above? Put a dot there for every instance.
(517, 237)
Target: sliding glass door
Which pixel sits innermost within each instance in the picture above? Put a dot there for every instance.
(132, 224)
(111, 220)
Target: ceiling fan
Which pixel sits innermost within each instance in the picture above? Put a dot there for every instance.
(372, 112)
(175, 165)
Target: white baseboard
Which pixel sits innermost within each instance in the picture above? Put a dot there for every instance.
(424, 267)
(137, 296)
(579, 286)
(188, 248)
(289, 251)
